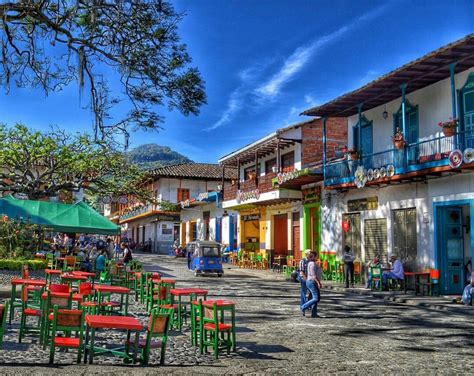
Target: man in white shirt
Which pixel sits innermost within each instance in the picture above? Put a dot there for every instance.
(396, 272)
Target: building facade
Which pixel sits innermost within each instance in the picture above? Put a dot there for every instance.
(414, 199)
(277, 193)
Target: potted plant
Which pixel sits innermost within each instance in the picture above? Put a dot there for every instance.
(398, 139)
(353, 154)
(449, 127)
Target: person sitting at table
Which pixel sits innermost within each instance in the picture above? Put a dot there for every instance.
(396, 272)
(100, 262)
(372, 264)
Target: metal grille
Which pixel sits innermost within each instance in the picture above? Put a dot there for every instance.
(375, 237)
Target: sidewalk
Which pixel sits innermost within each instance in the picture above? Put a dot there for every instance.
(443, 302)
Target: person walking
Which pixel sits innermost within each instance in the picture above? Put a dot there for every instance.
(313, 284)
(303, 272)
(127, 253)
(348, 258)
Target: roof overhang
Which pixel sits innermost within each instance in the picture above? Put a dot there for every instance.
(417, 74)
(267, 145)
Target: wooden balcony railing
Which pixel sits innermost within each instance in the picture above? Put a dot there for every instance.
(263, 183)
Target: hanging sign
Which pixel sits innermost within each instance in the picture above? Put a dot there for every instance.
(346, 226)
(311, 194)
(245, 196)
(251, 217)
(285, 176)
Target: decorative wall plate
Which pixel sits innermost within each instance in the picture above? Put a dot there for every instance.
(376, 173)
(390, 170)
(455, 158)
(370, 174)
(468, 155)
(383, 172)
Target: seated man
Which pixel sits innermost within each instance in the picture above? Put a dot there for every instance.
(468, 291)
(395, 273)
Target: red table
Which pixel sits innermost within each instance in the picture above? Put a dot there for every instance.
(84, 274)
(21, 281)
(113, 290)
(127, 323)
(185, 292)
(50, 272)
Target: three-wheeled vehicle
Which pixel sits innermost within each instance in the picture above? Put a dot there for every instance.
(204, 257)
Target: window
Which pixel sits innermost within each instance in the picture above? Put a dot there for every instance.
(183, 194)
(206, 216)
(250, 170)
(288, 161)
(366, 146)
(269, 165)
(210, 251)
(375, 236)
(404, 236)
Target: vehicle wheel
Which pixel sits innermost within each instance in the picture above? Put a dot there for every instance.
(219, 274)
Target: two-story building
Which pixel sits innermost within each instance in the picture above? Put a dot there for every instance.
(278, 189)
(160, 224)
(413, 198)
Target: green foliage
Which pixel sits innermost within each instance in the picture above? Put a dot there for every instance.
(19, 239)
(151, 156)
(42, 165)
(16, 264)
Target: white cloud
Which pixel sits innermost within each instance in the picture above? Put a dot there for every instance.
(300, 57)
(234, 105)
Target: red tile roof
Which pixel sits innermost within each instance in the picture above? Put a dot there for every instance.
(201, 171)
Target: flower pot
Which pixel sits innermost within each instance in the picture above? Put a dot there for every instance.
(448, 131)
(399, 144)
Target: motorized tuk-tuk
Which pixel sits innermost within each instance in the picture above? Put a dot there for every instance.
(204, 257)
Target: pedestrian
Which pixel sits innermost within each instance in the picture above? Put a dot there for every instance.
(117, 251)
(100, 262)
(348, 257)
(313, 284)
(303, 272)
(127, 253)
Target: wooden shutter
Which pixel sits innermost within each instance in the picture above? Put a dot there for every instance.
(404, 236)
(375, 237)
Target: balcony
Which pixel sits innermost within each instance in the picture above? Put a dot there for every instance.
(427, 156)
(139, 211)
(264, 185)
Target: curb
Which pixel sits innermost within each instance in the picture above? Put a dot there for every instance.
(403, 299)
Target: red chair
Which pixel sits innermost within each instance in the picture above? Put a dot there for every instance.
(56, 287)
(28, 310)
(67, 321)
(85, 290)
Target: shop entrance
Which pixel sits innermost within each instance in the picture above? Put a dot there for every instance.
(452, 248)
(296, 235)
(352, 233)
(280, 237)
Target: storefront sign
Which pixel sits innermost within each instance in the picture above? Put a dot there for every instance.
(285, 176)
(168, 218)
(311, 194)
(186, 203)
(251, 217)
(245, 196)
(370, 203)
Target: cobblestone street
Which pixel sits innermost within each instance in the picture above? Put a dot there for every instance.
(356, 334)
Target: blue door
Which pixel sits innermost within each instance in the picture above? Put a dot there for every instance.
(365, 146)
(450, 249)
(466, 97)
(218, 229)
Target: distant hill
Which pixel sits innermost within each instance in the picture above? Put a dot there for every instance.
(150, 156)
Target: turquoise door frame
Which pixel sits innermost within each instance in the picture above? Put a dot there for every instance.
(437, 234)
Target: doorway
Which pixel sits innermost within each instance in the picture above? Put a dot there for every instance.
(451, 250)
(295, 240)
(280, 234)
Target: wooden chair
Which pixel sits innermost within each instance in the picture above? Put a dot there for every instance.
(213, 332)
(53, 299)
(67, 321)
(69, 263)
(28, 310)
(376, 279)
(158, 327)
(357, 272)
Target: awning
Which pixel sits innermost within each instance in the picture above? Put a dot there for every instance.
(418, 74)
(57, 216)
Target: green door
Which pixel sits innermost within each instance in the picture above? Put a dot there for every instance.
(451, 249)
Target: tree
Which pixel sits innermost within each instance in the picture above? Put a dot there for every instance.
(50, 43)
(41, 165)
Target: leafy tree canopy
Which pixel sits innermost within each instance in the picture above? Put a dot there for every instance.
(41, 165)
(50, 43)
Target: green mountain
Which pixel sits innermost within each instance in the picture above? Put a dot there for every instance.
(150, 156)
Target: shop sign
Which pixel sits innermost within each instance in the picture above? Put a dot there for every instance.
(203, 196)
(245, 196)
(311, 194)
(285, 176)
(251, 217)
(186, 203)
(370, 203)
(168, 218)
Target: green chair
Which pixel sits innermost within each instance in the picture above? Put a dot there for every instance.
(67, 321)
(60, 299)
(376, 278)
(3, 320)
(158, 327)
(214, 333)
(52, 263)
(28, 309)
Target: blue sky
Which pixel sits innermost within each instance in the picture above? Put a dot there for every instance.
(266, 61)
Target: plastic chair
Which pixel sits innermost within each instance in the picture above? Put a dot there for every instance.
(3, 320)
(67, 321)
(158, 327)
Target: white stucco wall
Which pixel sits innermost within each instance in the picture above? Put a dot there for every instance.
(434, 105)
(168, 188)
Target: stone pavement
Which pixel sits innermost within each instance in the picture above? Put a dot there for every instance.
(358, 333)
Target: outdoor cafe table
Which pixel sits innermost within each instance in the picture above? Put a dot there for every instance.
(88, 275)
(417, 277)
(101, 289)
(185, 292)
(50, 272)
(20, 281)
(94, 322)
